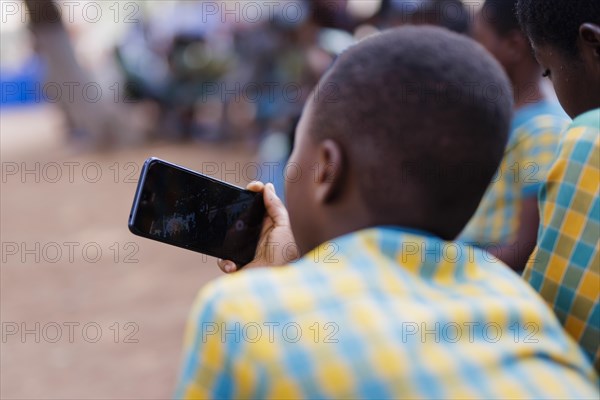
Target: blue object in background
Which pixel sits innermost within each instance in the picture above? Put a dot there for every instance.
(274, 153)
(24, 86)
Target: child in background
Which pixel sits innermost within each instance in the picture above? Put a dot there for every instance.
(507, 220)
(565, 267)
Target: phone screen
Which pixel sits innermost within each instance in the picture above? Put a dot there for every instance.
(186, 209)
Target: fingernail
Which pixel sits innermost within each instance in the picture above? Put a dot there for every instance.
(229, 268)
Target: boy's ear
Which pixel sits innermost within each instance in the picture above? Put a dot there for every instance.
(589, 35)
(329, 172)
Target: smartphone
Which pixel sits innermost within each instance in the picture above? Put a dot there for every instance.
(183, 208)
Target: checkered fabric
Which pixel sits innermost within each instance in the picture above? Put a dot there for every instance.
(531, 150)
(565, 267)
(380, 313)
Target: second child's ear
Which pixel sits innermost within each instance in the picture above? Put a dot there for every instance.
(589, 35)
(329, 172)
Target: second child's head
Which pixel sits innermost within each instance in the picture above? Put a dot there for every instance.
(566, 39)
(407, 128)
(496, 27)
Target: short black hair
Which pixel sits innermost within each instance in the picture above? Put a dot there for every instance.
(557, 22)
(423, 114)
(501, 15)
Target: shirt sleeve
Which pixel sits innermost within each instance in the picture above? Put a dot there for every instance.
(538, 152)
(206, 369)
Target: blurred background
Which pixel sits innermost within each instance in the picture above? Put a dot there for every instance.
(89, 90)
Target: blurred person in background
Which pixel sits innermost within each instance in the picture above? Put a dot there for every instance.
(507, 220)
(450, 14)
(219, 74)
(565, 267)
(177, 59)
(374, 244)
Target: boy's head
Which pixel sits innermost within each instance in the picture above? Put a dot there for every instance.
(496, 27)
(566, 39)
(407, 128)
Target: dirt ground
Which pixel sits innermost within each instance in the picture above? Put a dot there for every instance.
(88, 310)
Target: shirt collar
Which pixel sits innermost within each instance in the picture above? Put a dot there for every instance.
(386, 238)
(589, 119)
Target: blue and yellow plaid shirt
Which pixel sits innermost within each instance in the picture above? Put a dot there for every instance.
(380, 313)
(565, 267)
(535, 132)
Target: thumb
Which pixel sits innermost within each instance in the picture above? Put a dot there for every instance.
(275, 208)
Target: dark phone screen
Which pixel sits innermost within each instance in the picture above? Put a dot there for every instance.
(195, 212)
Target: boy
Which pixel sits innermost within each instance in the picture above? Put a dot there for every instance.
(382, 304)
(565, 268)
(507, 220)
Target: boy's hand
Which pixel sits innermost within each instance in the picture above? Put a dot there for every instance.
(276, 245)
